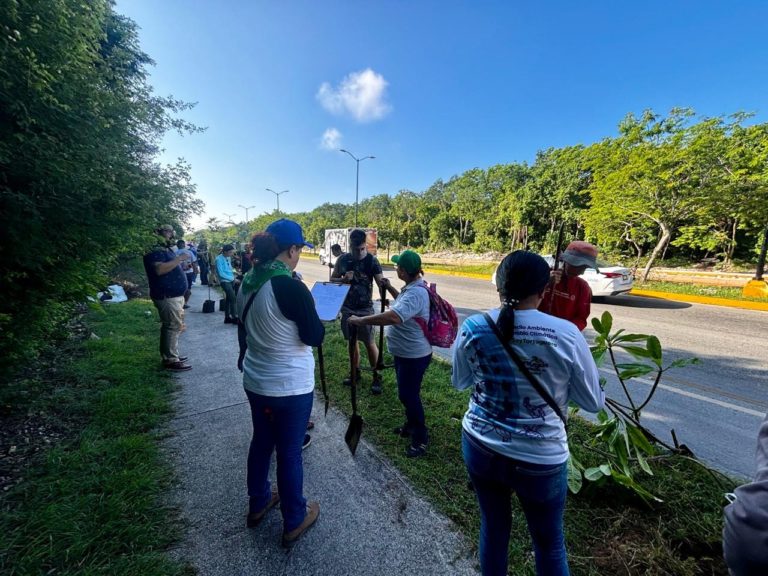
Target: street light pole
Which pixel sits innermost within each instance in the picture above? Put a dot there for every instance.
(277, 195)
(230, 216)
(357, 175)
(246, 208)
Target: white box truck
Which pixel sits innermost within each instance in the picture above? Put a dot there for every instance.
(340, 236)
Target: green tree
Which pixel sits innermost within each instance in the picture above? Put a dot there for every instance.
(646, 175)
(79, 183)
(555, 193)
(733, 161)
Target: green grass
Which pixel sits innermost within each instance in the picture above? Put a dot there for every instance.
(92, 504)
(609, 530)
(732, 293)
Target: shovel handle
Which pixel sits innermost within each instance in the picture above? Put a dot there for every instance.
(352, 367)
(380, 359)
(321, 362)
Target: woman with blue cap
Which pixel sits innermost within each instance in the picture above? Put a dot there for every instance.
(279, 327)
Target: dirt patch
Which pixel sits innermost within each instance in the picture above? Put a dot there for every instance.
(30, 423)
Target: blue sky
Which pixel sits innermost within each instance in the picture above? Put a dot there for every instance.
(431, 88)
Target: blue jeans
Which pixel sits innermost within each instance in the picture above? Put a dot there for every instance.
(409, 373)
(279, 422)
(541, 490)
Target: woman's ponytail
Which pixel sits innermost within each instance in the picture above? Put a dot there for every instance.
(519, 275)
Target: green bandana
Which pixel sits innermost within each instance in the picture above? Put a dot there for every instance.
(260, 274)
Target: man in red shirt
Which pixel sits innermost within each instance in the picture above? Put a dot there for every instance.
(567, 296)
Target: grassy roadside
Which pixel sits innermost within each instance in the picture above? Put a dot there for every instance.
(731, 293)
(609, 531)
(90, 502)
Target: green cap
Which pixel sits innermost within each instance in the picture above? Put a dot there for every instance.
(409, 261)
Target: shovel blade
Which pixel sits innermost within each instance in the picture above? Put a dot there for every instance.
(355, 429)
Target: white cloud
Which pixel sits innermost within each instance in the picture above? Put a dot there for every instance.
(331, 139)
(360, 94)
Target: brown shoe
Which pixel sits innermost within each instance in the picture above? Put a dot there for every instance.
(254, 518)
(313, 511)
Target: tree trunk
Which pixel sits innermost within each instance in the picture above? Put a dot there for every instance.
(732, 244)
(661, 245)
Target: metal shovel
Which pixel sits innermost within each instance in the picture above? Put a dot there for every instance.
(355, 429)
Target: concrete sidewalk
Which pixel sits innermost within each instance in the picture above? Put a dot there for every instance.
(371, 521)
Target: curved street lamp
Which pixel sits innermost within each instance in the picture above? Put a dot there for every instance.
(246, 208)
(357, 175)
(277, 195)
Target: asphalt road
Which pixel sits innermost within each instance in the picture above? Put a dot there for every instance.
(715, 407)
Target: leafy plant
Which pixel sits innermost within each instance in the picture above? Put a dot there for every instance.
(619, 437)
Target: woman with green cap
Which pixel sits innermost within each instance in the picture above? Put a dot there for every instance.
(407, 344)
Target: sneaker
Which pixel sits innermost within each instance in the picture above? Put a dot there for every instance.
(254, 518)
(183, 358)
(348, 380)
(313, 511)
(416, 450)
(307, 441)
(186, 307)
(178, 367)
(376, 385)
(228, 320)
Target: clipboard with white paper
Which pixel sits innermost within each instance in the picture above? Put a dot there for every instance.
(329, 296)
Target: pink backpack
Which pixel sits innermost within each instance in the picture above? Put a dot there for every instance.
(443, 324)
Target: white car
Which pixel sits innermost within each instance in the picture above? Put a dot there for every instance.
(609, 281)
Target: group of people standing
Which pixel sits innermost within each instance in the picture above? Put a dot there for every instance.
(522, 363)
(513, 439)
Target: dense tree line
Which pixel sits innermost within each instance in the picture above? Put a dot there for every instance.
(694, 186)
(79, 180)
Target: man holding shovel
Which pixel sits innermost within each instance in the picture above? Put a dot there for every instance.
(359, 269)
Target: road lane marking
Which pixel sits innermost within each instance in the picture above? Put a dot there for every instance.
(674, 390)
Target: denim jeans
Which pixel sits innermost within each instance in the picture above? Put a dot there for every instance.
(410, 373)
(279, 423)
(229, 299)
(172, 317)
(541, 490)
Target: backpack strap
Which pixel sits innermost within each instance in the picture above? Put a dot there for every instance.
(524, 369)
(241, 331)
